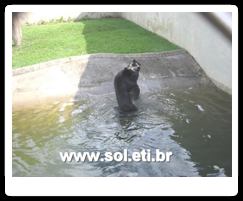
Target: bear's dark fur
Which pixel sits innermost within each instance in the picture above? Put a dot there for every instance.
(126, 87)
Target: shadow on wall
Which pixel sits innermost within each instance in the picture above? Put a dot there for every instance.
(222, 22)
(97, 78)
(159, 71)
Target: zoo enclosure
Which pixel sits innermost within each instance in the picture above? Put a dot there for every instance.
(206, 36)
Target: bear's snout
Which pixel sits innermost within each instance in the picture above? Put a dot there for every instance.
(136, 69)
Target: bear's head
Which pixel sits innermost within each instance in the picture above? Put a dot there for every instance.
(132, 70)
(134, 66)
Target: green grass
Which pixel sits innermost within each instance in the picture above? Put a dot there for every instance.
(57, 40)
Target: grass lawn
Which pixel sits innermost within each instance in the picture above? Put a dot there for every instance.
(57, 40)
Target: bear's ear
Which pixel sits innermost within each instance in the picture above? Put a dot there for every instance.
(137, 62)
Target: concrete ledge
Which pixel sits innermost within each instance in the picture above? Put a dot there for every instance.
(85, 58)
(79, 76)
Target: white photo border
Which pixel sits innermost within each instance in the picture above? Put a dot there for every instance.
(83, 186)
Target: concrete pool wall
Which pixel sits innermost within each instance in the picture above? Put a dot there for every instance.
(93, 75)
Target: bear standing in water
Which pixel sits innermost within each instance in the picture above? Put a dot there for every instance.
(126, 86)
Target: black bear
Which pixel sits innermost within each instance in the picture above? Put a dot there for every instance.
(126, 86)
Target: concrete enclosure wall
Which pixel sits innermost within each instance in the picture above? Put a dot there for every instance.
(194, 32)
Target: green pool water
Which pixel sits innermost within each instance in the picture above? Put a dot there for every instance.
(195, 124)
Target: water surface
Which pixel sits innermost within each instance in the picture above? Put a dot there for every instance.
(195, 124)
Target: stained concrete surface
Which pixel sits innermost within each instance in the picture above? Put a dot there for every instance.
(80, 76)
